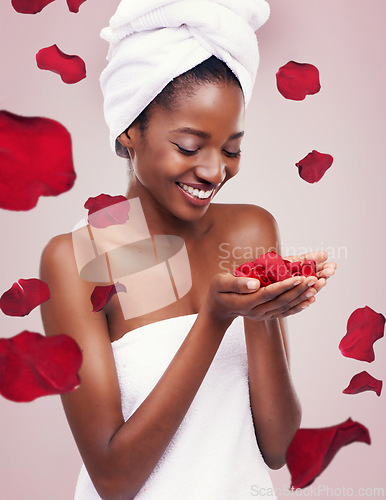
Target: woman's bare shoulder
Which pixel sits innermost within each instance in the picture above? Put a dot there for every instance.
(58, 247)
(66, 254)
(62, 245)
(70, 295)
(247, 224)
(57, 261)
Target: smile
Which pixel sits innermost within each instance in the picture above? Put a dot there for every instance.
(200, 194)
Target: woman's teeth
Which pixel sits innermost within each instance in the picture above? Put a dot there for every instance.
(201, 194)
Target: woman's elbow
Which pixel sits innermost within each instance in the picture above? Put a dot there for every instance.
(276, 462)
(276, 456)
(113, 489)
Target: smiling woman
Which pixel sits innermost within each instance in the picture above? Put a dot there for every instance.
(192, 400)
(189, 148)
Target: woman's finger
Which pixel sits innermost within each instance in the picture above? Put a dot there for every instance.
(327, 270)
(269, 302)
(320, 284)
(278, 291)
(318, 256)
(227, 283)
(293, 308)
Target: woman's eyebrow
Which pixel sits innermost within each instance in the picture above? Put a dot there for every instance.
(204, 135)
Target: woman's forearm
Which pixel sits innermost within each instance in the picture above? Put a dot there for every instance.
(139, 443)
(275, 406)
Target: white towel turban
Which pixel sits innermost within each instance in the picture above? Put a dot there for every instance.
(154, 41)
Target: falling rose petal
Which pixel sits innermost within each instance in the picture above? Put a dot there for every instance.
(39, 165)
(29, 6)
(364, 327)
(74, 5)
(362, 382)
(105, 210)
(101, 295)
(71, 69)
(32, 366)
(314, 166)
(23, 296)
(311, 450)
(297, 80)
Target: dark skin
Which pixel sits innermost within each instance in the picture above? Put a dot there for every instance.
(121, 455)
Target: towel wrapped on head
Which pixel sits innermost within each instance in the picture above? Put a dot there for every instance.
(154, 41)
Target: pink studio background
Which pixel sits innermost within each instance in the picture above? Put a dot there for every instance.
(343, 213)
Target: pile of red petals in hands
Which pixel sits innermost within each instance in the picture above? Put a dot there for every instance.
(271, 268)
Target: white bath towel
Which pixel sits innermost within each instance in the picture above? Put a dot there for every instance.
(214, 454)
(154, 41)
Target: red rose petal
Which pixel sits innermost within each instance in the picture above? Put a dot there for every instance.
(264, 280)
(71, 69)
(246, 268)
(275, 267)
(364, 327)
(362, 382)
(101, 295)
(105, 210)
(74, 5)
(32, 365)
(314, 166)
(23, 296)
(271, 268)
(35, 160)
(311, 450)
(293, 267)
(309, 268)
(240, 274)
(29, 6)
(296, 80)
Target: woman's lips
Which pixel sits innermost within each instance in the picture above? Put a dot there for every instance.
(194, 196)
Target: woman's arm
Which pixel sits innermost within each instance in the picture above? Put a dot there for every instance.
(119, 456)
(275, 406)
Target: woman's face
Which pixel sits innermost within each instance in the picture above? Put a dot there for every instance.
(187, 154)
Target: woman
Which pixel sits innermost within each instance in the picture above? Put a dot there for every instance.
(220, 401)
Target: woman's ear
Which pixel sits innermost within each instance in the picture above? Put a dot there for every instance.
(128, 139)
(125, 139)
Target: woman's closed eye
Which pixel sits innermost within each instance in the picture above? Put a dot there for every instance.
(191, 152)
(237, 154)
(187, 152)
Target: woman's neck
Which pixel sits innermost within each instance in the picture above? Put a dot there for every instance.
(161, 221)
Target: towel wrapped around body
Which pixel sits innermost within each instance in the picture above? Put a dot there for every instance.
(214, 454)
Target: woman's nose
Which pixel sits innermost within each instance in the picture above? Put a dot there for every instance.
(212, 167)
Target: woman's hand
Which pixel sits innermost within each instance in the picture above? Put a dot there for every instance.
(230, 296)
(324, 269)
